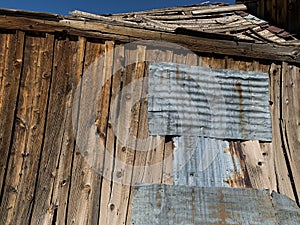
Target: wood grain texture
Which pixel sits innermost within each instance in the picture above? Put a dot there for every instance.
(48, 176)
(281, 13)
(23, 166)
(11, 58)
(55, 173)
(83, 200)
(290, 123)
(126, 34)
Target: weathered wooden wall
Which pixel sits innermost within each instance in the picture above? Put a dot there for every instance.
(282, 13)
(45, 179)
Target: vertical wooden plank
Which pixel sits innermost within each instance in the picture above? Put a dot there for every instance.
(54, 177)
(282, 13)
(293, 16)
(268, 10)
(11, 58)
(282, 175)
(107, 130)
(265, 162)
(261, 8)
(110, 210)
(138, 124)
(218, 63)
(274, 11)
(83, 203)
(230, 63)
(115, 207)
(23, 167)
(290, 126)
(259, 161)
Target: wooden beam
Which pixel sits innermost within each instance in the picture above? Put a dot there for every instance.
(267, 51)
(220, 9)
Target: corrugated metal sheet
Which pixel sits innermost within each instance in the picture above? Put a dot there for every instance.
(205, 162)
(161, 204)
(217, 103)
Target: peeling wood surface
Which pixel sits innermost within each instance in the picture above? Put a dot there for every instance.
(162, 204)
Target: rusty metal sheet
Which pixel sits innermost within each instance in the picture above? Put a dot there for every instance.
(162, 204)
(217, 103)
(205, 162)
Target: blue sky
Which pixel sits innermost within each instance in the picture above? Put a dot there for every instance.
(95, 6)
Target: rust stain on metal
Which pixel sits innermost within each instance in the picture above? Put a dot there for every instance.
(238, 88)
(213, 205)
(236, 151)
(189, 100)
(221, 214)
(236, 180)
(239, 176)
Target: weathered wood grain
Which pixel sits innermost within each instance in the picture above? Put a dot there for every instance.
(111, 202)
(109, 207)
(23, 166)
(48, 177)
(200, 44)
(290, 123)
(106, 128)
(260, 164)
(282, 174)
(11, 58)
(83, 202)
(51, 199)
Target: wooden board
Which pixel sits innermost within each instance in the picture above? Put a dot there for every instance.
(128, 34)
(85, 180)
(49, 178)
(24, 162)
(11, 58)
(54, 176)
(290, 123)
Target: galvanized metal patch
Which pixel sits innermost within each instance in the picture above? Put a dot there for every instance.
(217, 103)
(205, 162)
(162, 204)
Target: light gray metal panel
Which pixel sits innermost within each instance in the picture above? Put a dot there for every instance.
(174, 205)
(197, 101)
(204, 162)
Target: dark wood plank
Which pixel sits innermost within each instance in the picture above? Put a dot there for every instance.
(11, 57)
(24, 162)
